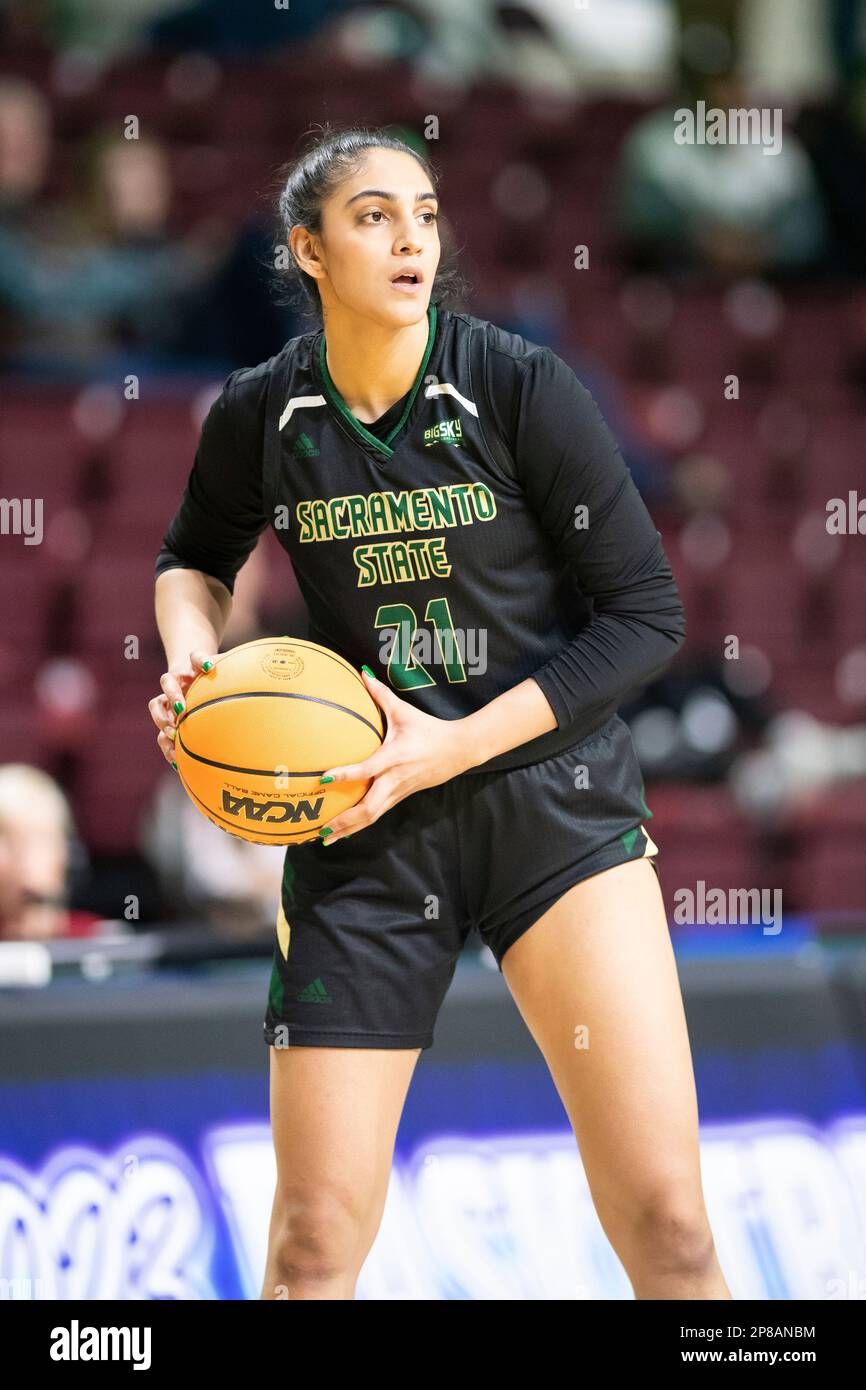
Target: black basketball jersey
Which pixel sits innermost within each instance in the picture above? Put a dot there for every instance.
(493, 532)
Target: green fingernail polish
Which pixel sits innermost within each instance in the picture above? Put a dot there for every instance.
(206, 665)
(174, 765)
(325, 779)
(368, 671)
(178, 706)
(325, 832)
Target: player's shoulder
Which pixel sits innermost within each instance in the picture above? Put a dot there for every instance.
(246, 384)
(496, 341)
(509, 361)
(513, 366)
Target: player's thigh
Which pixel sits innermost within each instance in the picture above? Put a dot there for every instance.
(335, 1112)
(595, 979)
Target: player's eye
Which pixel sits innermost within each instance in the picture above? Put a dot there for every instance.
(377, 213)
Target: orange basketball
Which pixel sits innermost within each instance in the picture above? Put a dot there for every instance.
(262, 726)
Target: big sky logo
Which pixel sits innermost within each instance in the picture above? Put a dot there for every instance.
(446, 432)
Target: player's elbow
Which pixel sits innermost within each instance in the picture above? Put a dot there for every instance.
(677, 626)
(669, 628)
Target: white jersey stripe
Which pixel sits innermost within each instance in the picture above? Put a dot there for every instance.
(299, 402)
(444, 388)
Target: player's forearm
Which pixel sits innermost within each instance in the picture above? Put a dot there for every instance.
(192, 610)
(513, 718)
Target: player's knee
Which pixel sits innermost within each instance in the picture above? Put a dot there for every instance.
(315, 1234)
(669, 1233)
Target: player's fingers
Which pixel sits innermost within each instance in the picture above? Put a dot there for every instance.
(377, 801)
(387, 699)
(374, 766)
(173, 689)
(177, 683)
(202, 661)
(164, 720)
(166, 747)
(159, 711)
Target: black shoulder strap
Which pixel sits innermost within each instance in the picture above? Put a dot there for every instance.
(275, 400)
(501, 448)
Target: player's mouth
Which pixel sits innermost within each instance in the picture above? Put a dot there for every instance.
(408, 281)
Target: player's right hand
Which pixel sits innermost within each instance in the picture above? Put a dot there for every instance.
(164, 709)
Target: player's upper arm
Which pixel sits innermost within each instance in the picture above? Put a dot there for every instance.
(577, 481)
(220, 516)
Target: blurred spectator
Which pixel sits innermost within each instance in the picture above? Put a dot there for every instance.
(117, 286)
(237, 318)
(834, 136)
(726, 208)
(28, 225)
(37, 833)
(702, 485)
(691, 723)
(224, 27)
(25, 147)
(136, 278)
(28, 28)
(848, 30)
(110, 283)
(205, 872)
(800, 757)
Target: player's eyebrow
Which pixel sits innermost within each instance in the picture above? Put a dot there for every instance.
(390, 197)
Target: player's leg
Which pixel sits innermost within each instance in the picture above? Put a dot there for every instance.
(596, 982)
(356, 961)
(334, 1115)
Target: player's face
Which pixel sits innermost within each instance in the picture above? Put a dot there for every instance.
(375, 227)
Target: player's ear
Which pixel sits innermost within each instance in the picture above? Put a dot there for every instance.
(305, 249)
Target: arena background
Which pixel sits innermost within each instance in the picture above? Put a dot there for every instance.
(712, 295)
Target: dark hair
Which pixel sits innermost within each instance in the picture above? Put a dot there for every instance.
(308, 180)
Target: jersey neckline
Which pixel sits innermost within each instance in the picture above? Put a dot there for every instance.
(335, 400)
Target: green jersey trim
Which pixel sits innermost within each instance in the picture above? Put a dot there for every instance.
(336, 400)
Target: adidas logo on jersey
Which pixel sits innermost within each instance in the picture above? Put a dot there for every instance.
(447, 432)
(304, 448)
(314, 993)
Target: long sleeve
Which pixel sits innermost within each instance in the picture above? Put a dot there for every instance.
(220, 516)
(567, 460)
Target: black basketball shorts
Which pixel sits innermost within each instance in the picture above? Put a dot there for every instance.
(369, 930)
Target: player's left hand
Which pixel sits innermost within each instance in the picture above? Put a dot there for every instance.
(418, 751)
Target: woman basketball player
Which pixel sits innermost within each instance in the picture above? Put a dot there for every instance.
(460, 519)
